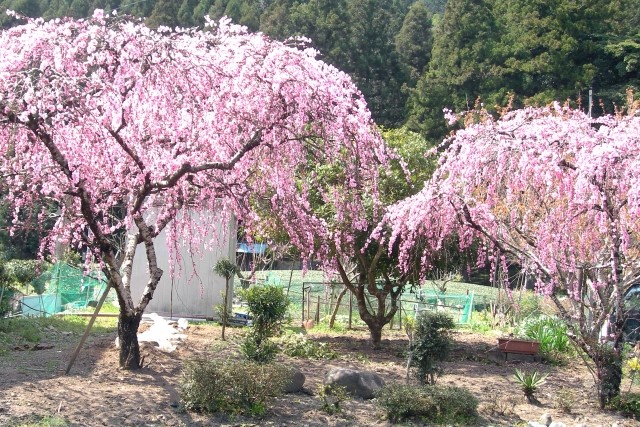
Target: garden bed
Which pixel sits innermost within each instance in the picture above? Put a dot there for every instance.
(97, 393)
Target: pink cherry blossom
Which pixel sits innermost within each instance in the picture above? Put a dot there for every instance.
(123, 128)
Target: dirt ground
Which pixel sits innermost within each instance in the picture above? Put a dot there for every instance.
(97, 393)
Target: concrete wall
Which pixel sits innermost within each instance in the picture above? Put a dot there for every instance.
(197, 289)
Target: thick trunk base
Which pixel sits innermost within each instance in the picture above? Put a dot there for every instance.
(128, 337)
(376, 336)
(609, 372)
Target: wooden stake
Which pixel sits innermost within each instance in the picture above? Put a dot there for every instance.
(350, 307)
(302, 305)
(88, 330)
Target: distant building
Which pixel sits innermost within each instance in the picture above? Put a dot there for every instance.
(197, 289)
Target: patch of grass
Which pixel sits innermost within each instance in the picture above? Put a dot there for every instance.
(110, 307)
(30, 330)
(40, 421)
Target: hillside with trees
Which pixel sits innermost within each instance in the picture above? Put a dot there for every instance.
(411, 59)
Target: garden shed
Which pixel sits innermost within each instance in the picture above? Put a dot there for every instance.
(196, 289)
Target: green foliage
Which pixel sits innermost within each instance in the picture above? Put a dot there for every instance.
(268, 307)
(231, 387)
(332, 396)
(225, 268)
(527, 305)
(551, 333)
(414, 40)
(431, 345)
(628, 404)
(480, 322)
(21, 273)
(529, 383)
(411, 148)
(432, 404)
(298, 345)
(39, 421)
(258, 350)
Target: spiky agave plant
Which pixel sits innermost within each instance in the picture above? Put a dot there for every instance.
(529, 383)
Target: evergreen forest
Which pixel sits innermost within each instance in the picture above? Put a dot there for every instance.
(411, 58)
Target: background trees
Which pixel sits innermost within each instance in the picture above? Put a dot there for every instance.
(411, 59)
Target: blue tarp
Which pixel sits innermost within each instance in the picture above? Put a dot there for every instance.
(251, 248)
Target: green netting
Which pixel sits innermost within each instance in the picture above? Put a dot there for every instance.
(459, 306)
(75, 286)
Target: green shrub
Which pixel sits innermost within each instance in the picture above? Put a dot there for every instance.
(231, 387)
(431, 345)
(298, 345)
(550, 332)
(263, 351)
(268, 307)
(332, 396)
(433, 404)
(628, 404)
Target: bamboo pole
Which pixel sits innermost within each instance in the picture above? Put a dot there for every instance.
(302, 305)
(87, 330)
(350, 307)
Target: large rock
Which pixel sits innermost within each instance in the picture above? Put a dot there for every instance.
(362, 384)
(296, 381)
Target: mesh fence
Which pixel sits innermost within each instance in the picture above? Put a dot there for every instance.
(318, 300)
(64, 287)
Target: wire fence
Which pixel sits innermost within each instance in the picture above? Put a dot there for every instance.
(62, 288)
(321, 300)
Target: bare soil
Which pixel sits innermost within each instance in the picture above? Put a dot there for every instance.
(97, 393)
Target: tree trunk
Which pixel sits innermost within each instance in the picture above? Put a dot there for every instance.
(375, 329)
(128, 324)
(609, 375)
(225, 314)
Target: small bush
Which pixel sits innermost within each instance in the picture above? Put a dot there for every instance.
(268, 307)
(431, 345)
(231, 387)
(551, 333)
(430, 403)
(628, 404)
(332, 396)
(261, 351)
(298, 345)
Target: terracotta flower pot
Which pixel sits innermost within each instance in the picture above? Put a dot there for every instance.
(518, 345)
